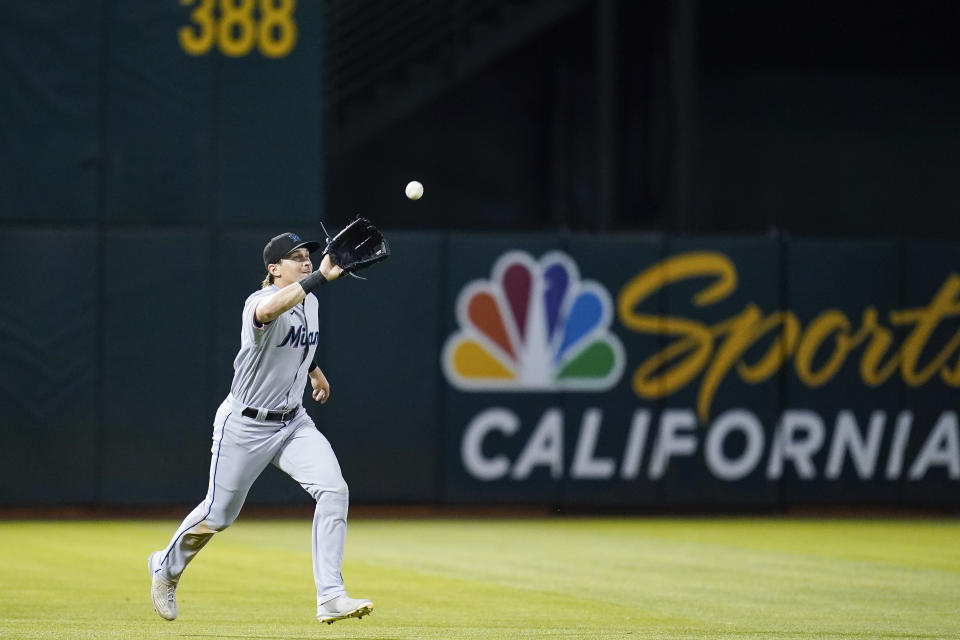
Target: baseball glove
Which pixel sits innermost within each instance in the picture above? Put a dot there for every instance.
(357, 246)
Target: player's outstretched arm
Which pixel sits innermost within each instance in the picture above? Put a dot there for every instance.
(283, 300)
(292, 295)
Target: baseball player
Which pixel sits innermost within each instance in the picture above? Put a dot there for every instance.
(262, 422)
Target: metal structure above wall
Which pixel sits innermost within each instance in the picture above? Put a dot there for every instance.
(384, 60)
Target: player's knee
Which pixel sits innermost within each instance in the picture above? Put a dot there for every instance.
(338, 493)
(217, 523)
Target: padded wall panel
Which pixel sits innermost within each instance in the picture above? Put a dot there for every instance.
(156, 367)
(48, 368)
(50, 71)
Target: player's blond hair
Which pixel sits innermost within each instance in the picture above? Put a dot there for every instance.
(267, 281)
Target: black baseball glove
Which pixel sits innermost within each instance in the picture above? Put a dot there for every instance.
(357, 246)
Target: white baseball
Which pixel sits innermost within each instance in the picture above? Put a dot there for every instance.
(414, 190)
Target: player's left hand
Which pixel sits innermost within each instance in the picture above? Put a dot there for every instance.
(358, 245)
(329, 270)
(321, 388)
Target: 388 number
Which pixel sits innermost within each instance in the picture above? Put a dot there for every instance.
(235, 28)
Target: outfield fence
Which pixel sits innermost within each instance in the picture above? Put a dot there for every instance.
(635, 372)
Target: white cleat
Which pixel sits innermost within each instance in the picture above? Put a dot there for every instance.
(343, 607)
(162, 593)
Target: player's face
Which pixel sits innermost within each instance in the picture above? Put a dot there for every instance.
(295, 266)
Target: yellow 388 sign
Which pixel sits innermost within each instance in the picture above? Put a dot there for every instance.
(235, 27)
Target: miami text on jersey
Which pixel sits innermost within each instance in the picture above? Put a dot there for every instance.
(298, 337)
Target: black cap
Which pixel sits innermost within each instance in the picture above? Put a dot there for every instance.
(281, 245)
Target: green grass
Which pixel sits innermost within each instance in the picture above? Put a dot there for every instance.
(541, 578)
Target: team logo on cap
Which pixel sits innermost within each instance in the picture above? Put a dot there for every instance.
(293, 237)
(533, 326)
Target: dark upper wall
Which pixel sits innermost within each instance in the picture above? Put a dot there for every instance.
(813, 118)
(829, 118)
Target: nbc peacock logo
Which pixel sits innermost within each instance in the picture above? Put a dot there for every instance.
(533, 326)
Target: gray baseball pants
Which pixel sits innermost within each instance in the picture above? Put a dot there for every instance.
(242, 448)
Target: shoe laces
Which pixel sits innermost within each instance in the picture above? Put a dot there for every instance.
(170, 590)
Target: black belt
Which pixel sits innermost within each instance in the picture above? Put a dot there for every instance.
(272, 416)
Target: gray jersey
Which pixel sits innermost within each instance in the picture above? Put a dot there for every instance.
(270, 371)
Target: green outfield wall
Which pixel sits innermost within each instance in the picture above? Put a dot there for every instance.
(149, 150)
(152, 148)
(632, 371)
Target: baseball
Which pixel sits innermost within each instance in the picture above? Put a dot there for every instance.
(414, 190)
